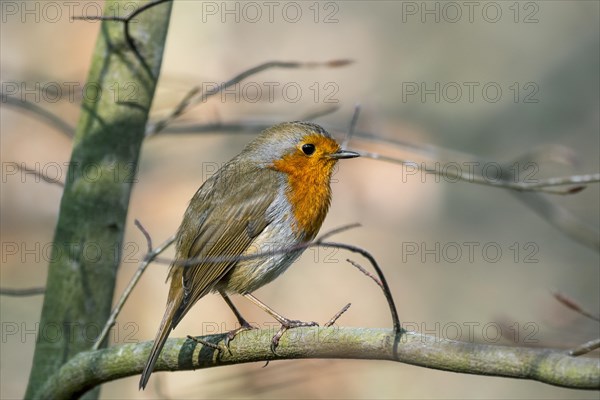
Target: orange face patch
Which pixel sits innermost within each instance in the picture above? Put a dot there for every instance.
(309, 177)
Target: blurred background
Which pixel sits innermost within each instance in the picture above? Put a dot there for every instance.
(513, 86)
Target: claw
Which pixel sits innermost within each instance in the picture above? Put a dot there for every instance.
(232, 334)
(285, 326)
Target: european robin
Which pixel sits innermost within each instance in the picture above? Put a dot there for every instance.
(274, 195)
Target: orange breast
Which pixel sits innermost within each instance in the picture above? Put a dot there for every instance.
(309, 190)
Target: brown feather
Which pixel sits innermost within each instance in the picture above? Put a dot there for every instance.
(240, 210)
(211, 228)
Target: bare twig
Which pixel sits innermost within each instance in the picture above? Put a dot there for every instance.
(554, 214)
(229, 127)
(386, 289)
(427, 150)
(352, 126)
(150, 256)
(39, 174)
(241, 126)
(43, 114)
(195, 95)
(145, 233)
(562, 181)
(232, 258)
(127, 33)
(367, 273)
(542, 185)
(561, 218)
(573, 305)
(317, 243)
(22, 292)
(337, 316)
(548, 185)
(585, 348)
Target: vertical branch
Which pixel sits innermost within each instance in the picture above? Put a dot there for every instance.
(93, 210)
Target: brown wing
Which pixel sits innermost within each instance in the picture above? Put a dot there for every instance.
(225, 216)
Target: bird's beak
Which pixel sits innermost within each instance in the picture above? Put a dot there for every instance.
(338, 155)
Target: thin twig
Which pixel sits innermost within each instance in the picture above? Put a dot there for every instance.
(428, 150)
(386, 289)
(560, 217)
(43, 114)
(542, 185)
(562, 181)
(573, 305)
(150, 256)
(546, 185)
(192, 98)
(145, 233)
(212, 127)
(128, 36)
(22, 292)
(585, 348)
(367, 273)
(337, 315)
(233, 258)
(352, 126)
(39, 174)
(317, 243)
(243, 127)
(127, 33)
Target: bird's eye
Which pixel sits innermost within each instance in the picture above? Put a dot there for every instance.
(308, 149)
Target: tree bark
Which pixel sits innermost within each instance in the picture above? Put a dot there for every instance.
(102, 170)
(89, 369)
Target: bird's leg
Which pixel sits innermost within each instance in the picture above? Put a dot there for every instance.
(244, 325)
(285, 322)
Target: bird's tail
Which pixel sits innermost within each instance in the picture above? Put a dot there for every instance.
(165, 328)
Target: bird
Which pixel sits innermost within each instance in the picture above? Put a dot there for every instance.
(247, 223)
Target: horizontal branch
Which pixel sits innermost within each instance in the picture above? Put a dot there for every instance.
(540, 186)
(196, 94)
(89, 369)
(41, 113)
(32, 291)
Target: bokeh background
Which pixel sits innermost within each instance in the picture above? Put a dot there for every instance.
(543, 55)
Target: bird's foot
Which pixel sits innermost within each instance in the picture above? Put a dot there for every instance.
(287, 324)
(245, 326)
